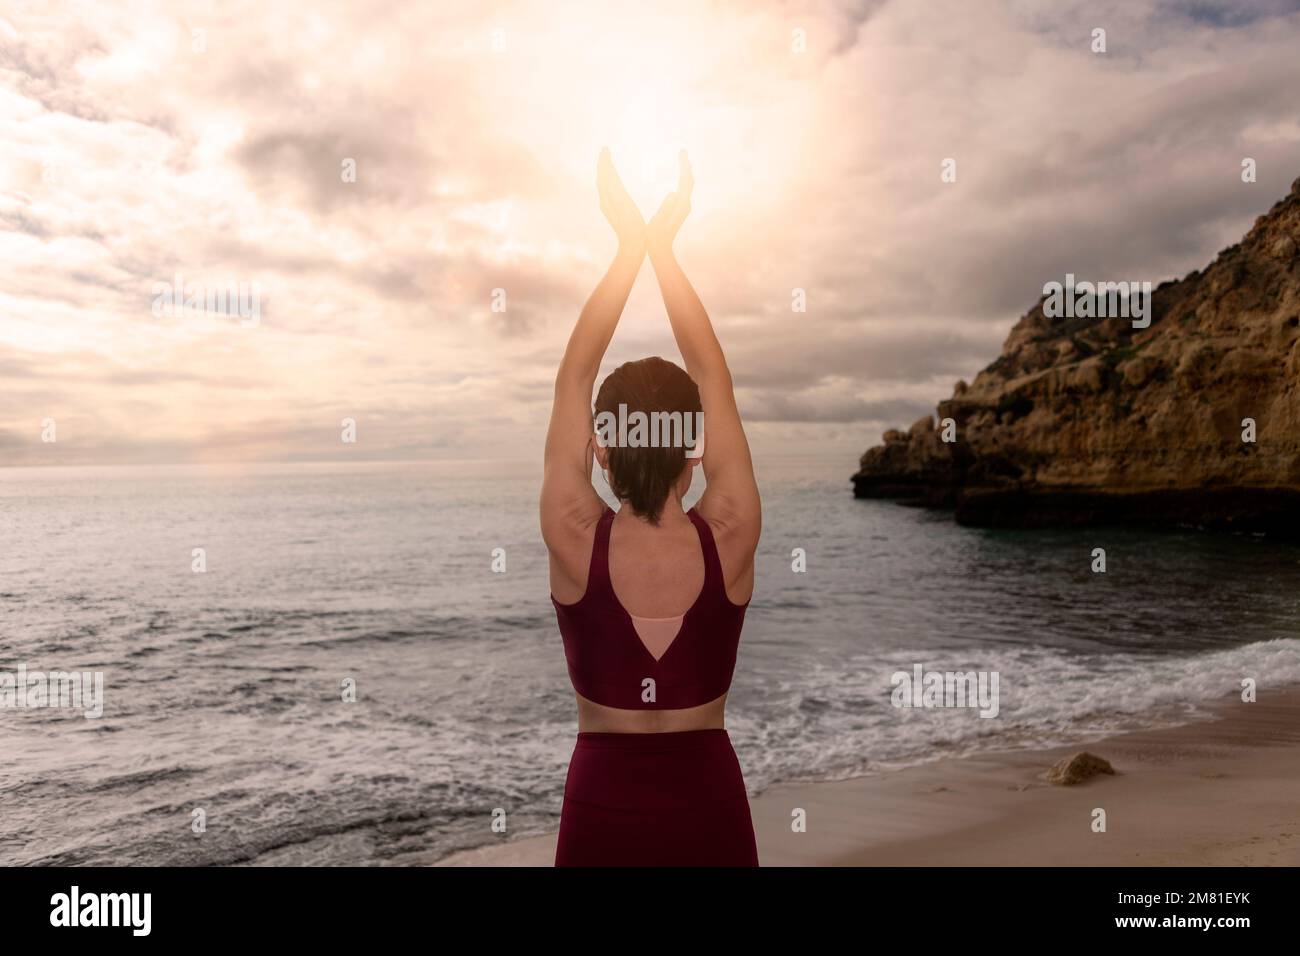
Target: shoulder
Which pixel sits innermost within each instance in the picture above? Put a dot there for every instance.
(570, 540)
(566, 522)
(736, 529)
(735, 537)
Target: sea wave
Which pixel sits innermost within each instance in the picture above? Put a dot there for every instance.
(840, 721)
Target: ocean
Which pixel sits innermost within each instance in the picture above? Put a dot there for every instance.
(224, 690)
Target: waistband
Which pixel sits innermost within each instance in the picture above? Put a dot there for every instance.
(674, 740)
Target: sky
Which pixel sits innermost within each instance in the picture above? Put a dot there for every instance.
(429, 296)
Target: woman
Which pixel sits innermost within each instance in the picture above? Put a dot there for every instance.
(650, 599)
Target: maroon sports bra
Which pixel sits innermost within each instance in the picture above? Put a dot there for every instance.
(608, 663)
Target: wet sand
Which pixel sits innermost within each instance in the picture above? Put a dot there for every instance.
(1219, 792)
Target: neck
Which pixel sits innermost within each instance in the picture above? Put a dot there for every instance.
(671, 514)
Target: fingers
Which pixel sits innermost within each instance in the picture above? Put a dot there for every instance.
(604, 173)
(685, 176)
(615, 181)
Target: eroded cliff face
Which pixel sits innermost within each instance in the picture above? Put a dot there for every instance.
(1085, 420)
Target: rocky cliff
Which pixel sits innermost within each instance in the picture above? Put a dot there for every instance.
(1086, 420)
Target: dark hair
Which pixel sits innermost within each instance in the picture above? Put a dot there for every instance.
(643, 476)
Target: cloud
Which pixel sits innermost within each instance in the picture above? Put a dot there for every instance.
(209, 141)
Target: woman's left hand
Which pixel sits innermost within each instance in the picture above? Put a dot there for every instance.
(618, 207)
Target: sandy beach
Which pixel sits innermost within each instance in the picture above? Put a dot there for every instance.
(1220, 792)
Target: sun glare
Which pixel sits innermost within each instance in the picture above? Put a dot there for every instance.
(649, 133)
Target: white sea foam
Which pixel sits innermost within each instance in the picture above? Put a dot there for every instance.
(1047, 697)
(227, 682)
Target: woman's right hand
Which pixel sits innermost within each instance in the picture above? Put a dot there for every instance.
(662, 228)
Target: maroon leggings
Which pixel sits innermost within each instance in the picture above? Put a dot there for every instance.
(655, 800)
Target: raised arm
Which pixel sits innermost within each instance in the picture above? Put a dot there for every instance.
(731, 499)
(569, 503)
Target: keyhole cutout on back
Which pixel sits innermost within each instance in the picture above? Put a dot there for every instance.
(657, 633)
